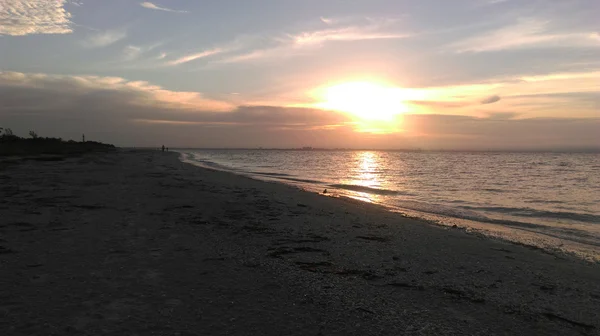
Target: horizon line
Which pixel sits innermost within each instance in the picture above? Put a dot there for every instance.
(586, 150)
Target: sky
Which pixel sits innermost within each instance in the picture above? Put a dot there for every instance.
(381, 74)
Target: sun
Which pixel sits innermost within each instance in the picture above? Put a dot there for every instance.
(366, 101)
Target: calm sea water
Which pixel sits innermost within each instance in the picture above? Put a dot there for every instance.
(545, 199)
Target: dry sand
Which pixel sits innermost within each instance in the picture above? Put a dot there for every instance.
(139, 243)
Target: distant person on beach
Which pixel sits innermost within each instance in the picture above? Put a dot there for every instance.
(163, 148)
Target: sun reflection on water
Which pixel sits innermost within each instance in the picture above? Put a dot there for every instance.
(365, 174)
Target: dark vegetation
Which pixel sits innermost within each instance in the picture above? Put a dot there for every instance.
(11, 144)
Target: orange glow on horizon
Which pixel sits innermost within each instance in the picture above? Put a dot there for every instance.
(375, 107)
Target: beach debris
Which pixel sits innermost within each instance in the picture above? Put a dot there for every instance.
(367, 275)
(461, 294)
(314, 266)
(406, 285)
(312, 238)
(552, 316)
(365, 310)
(278, 252)
(34, 265)
(502, 250)
(5, 250)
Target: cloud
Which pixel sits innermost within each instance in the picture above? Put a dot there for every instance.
(451, 103)
(523, 94)
(133, 93)
(25, 17)
(441, 104)
(502, 115)
(303, 42)
(150, 5)
(490, 100)
(104, 39)
(135, 54)
(193, 57)
(493, 2)
(524, 34)
(259, 54)
(131, 52)
(342, 34)
(116, 110)
(326, 20)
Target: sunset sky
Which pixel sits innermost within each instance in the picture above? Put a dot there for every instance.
(431, 74)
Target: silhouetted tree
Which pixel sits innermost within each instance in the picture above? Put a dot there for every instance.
(8, 135)
(11, 144)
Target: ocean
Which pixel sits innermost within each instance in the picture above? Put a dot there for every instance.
(547, 200)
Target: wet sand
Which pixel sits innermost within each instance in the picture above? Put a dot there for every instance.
(139, 243)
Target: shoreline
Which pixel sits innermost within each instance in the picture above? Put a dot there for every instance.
(535, 240)
(138, 242)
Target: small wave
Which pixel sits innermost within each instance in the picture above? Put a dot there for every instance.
(286, 177)
(212, 164)
(368, 190)
(301, 180)
(209, 164)
(493, 190)
(575, 235)
(271, 174)
(532, 213)
(541, 201)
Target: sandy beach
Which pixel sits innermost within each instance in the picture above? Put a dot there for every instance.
(139, 243)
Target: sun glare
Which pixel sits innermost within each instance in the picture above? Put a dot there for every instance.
(365, 101)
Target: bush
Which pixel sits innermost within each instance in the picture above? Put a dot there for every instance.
(11, 144)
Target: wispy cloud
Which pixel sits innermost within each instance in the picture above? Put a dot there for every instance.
(552, 83)
(282, 51)
(543, 95)
(131, 52)
(150, 5)
(302, 42)
(526, 33)
(135, 52)
(193, 57)
(104, 39)
(343, 34)
(24, 17)
(492, 2)
(326, 20)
